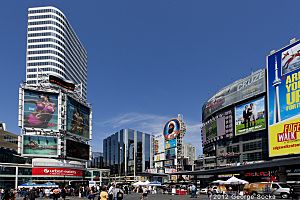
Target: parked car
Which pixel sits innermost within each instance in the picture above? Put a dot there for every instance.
(203, 191)
(275, 188)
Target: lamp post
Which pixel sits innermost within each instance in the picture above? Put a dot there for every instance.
(120, 164)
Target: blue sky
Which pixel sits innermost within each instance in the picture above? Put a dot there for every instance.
(150, 60)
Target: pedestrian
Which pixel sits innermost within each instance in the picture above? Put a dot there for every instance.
(63, 193)
(117, 193)
(209, 192)
(104, 194)
(32, 194)
(144, 193)
(56, 194)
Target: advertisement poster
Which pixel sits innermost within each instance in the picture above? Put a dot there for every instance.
(170, 154)
(159, 144)
(250, 116)
(172, 129)
(284, 101)
(170, 144)
(40, 110)
(39, 146)
(78, 118)
(211, 130)
(51, 171)
(242, 89)
(77, 150)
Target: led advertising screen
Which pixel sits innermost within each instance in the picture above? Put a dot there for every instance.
(40, 110)
(170, 153)
(170, 144)
(159, 144)
(238, 91)
(284, 101)
(78, 118)
(211, 130)
(77, 150)
(250, 116)
(172, 129)
(39, 146)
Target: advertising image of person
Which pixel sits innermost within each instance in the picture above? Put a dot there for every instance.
(253, 115)
(246, 117)
(171, 133)
(77, 122)
(42, 113)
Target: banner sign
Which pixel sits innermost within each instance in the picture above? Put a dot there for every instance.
(250, 116)
(62, 83)
(284, 101)
(40, 110)
(50, 171)
(242, 89)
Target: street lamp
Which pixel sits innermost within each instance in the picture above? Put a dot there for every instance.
(120, 164)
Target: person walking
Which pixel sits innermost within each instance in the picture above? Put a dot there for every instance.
(56, 194)
(118, 193)
(209, 192)
(104, 194)
(63, 193)
(32, 194)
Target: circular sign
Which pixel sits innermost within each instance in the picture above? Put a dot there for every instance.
(171, 129)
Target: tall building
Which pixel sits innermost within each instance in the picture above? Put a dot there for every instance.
(189, 152)
(127, 152)
(53, 48)
(55, 119)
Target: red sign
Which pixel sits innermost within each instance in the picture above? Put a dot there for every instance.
(267, 173)
(51, 171)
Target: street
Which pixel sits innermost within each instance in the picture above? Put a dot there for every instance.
(135, 196)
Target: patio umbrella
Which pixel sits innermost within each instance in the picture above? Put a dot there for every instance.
(219, 182)
(139, 183)
(235, 181)
(28, 185)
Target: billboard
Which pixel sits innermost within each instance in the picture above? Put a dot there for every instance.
(159, 144)
(242, 89)
(39, 146)
(159, 157)
(77, 150)
(218, 126)
(250, 116)
(284, 100)
(53, 171)
(170, 144)
(40, 110)
(172, 129)
(62, 83)
(78, 118)
(170, 153)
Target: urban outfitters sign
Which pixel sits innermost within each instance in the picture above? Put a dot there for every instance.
(284, 101)
(50, 171)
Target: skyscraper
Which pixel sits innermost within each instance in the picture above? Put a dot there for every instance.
(53, 48)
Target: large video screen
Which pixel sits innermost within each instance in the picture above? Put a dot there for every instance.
(170, 144)
(158, 144)
(283, 101)
(40, 110)
(77, 150)
(170, 153)
(250, 116)
(78, 118)
(39, 146)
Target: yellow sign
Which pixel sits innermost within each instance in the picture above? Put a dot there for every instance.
(284, 138)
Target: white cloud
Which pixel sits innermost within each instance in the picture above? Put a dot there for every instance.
(148, 123)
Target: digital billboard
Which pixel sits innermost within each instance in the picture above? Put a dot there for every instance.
(250, 116)
(284, 101)
(170, 144)
(77, 150)
(159, 144)
(42, 146)
(78, 118)
(172, 129)
(211, 130)
(170, 153)
(40, 110)
(242, 89)
(159, 157)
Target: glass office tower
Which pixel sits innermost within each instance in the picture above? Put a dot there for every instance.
(127, 152)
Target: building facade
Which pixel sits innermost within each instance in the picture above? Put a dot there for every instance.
(127, 153)
(189, 152)
(53, 48)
